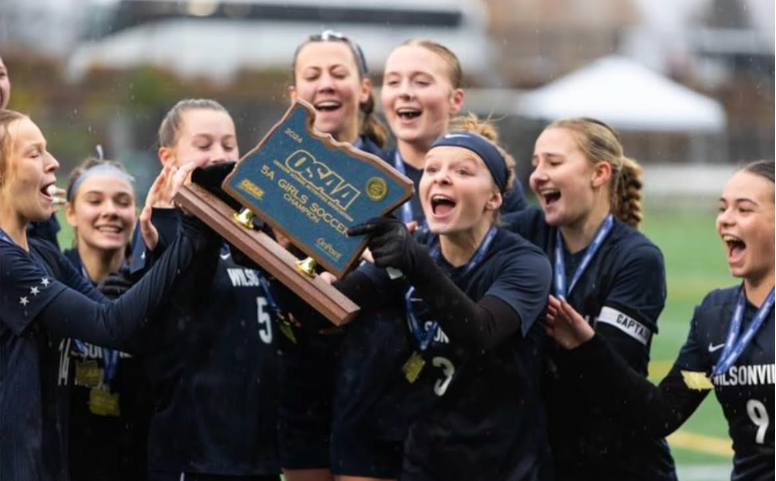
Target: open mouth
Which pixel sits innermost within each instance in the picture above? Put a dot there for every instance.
(442, 205)
(550, 196)
(407, 113)
(48, 191)
(735, 246)
(109, 229)
(327, 106)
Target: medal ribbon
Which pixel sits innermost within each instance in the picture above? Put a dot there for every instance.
(406, 208)
(735, 345)
(422, 337)
(560, 267)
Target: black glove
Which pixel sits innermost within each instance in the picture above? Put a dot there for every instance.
(391, 244)
(212, 177)
(115, 285)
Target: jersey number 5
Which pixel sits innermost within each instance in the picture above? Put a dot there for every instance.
(265, 322)
(759, 416)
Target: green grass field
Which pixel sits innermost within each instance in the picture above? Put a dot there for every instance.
(695, 264)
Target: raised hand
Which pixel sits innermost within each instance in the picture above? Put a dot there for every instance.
(160, 196)
(565, 325)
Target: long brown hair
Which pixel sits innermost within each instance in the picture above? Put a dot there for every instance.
(371, 127)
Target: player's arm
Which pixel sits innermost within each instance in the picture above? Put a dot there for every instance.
(476, 325)
(629, 314)
(610, 382)
(30, 295)
(167, 224)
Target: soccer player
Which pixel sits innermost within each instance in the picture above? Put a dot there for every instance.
(48, 229)
(467, 308)
(472, 295)
(729, 349)
(44, 299)
(329, 71)
(422, 91)
(210, 355)
(612, 275)
(109, 402)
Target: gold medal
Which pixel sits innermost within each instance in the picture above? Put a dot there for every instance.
(103, 403)
(697, 381)
(286, 328)
(87, 373)
(413, 366)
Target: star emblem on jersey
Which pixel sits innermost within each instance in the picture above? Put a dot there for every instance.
(45, 282)
(23, 301)
(34, 290)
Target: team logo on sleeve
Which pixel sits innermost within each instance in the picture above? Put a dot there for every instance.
(625, 323)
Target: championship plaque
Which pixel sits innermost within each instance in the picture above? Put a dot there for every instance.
(311, 189)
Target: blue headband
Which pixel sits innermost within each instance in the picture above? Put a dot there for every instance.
(95, 170)
(484, 148)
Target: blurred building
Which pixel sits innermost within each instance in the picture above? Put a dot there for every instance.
(104, 71)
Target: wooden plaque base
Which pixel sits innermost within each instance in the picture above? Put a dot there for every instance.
(277, 261)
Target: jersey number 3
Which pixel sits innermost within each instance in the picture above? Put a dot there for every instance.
(441, 385)
(265, 322)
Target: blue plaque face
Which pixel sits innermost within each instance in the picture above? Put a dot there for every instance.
(313, 189)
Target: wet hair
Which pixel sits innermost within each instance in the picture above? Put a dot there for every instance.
(601, 143)
(455, 72)
(762, 168)
(173, 121)
(7, 117)
(371, 127)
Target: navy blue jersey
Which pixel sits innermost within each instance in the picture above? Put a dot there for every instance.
(211, 360)
(46, 230)
(746, 390)
(514, 200)
(42, 299)
(460, 417)
(33, 427)
(481, 416)
(108, 407)
(621, 293)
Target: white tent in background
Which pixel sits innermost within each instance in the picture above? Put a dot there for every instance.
(626, 95)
